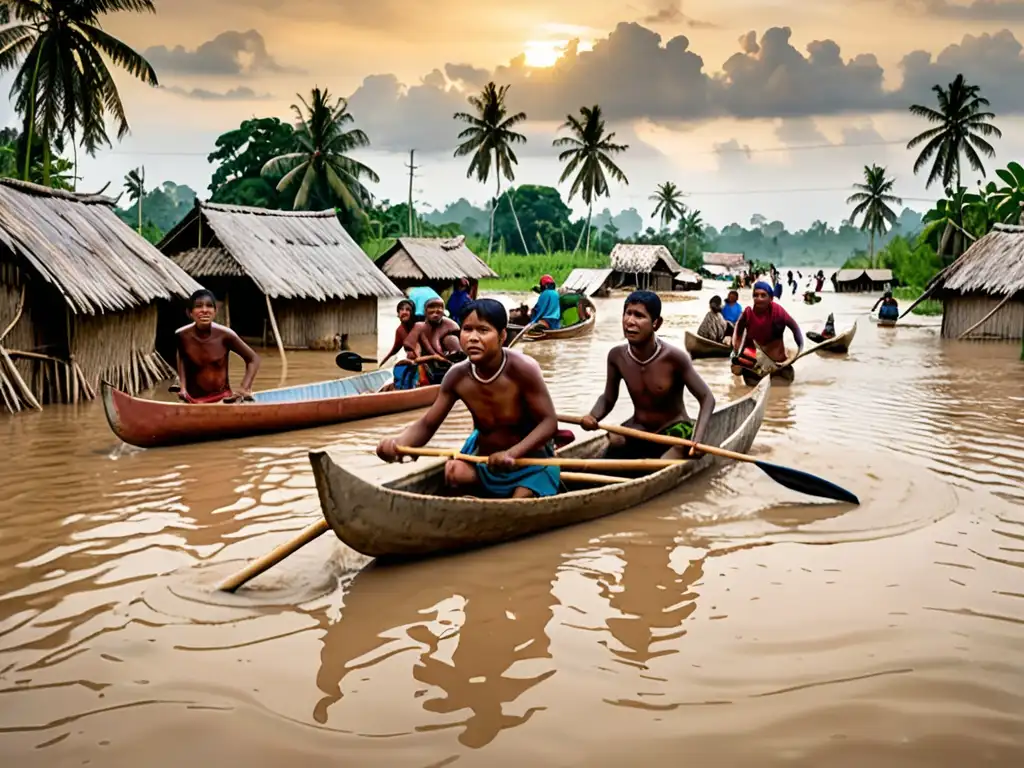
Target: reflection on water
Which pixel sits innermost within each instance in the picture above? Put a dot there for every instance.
(732, 619)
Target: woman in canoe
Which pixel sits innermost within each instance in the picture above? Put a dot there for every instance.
(513, 415)
(203, 351)
(656, 375)
(765, 322)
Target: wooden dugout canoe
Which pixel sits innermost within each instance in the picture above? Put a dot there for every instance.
(407, 518)
(151, 423)
(574, 331)
(698, 346)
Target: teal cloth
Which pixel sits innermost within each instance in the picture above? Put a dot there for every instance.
(543, 481)
(420, 296)
(548, 308)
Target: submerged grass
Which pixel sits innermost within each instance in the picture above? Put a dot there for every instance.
(928, 307)
(521, 273)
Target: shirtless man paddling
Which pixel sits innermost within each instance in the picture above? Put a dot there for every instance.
(203, 351)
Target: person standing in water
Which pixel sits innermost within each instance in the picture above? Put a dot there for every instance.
(513, 414)
(765, 322)
(204, 348)
(656, 375)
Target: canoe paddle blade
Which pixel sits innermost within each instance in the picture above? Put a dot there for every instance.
(350, 361)
(804, 482)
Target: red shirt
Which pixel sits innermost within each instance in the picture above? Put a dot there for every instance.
(767, 328)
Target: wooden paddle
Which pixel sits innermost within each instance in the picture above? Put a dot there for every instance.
(522, 333)
(314, 530)
(351, 361)
(794, 479)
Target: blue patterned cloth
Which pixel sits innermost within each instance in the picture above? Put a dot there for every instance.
(543, 481)
(406, 376)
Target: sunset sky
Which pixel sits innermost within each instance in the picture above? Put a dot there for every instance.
(751, 106)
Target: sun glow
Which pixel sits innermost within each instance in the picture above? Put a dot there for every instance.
(545, 53)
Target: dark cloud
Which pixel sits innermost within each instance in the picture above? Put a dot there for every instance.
(241, 93)
(634, 75)
(979, 10)
(671, 12)
(796, 131)
(229, 53)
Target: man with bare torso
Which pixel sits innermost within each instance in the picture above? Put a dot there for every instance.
(431, 344)
(656, 374)
(513, 414)
(203, 351)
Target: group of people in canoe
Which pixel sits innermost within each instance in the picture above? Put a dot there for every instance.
(514, 415)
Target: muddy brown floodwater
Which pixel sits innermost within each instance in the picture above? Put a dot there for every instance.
(730, 624)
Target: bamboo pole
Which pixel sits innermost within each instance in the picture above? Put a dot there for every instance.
(17, 315)
(986, 317)
(599, 464)
(277, 338)
(17, 381)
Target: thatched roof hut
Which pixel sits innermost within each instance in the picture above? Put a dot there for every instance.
(589, 282)
(79, 291)
(296, 277)
(432, 261)
(645, 266)
(983, 291)
(861, 280)
(687, 280)
(725, 263)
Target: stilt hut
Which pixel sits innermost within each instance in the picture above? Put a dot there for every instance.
(649, 267)
(433, 262)
(79, 296)
(296, 279)
(982, 292)
(862, 280)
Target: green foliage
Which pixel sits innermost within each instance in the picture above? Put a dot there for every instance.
(162, 208)
(927, 308)
(543, 217)
(240, 157)
(1009, 200)
(521, 273)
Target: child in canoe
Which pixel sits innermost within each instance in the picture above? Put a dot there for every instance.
(656, 374)
(430, 347)
(203, 351)
(513, 415)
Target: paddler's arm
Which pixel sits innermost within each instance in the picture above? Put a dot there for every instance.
(542, 413)
(394, 348)
(420, 431)
(252, 360)
(182, 388)
(737, 334)
(609, 397)
(876, 304)
(797, 333)
(700, 390)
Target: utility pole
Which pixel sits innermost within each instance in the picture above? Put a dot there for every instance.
(412, 172)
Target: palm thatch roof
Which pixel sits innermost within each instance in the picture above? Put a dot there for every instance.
(77, 244)
(729, 260)
(640, 259)
(287, 254)
(994, 264)
(432, 258)
(852, 275)
(586, 281)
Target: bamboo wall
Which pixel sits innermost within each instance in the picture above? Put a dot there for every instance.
(119, 348)
(961, 312)
(305, 323)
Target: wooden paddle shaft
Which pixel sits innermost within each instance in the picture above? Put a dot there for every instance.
(522, 333)
(625, 464)
(639, 434)
(274, 557)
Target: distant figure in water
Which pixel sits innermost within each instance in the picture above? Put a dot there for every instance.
(203, 351)
(792, 281)
(890, 309)
(766, 323)
(819, 281)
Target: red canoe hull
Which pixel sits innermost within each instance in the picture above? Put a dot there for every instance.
(150, 423)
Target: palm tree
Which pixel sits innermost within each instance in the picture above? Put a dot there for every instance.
(589, 152)
(670, 206)
(489, 139)
(63, 86)
(960, 127)
(325, 174)
(873, 198)
(135, 185)
(690, 225)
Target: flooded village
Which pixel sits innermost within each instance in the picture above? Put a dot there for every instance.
(207, 554)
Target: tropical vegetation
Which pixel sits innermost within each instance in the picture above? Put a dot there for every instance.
(873, 198)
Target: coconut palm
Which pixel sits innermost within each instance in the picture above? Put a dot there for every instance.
(691, 225)
(489, 139)
(135, 186)
(63, 86)
(960, 127)
(588, 154)
(669, 203)
(321, 168)
(873, 198)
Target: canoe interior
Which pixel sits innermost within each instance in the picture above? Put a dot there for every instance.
(409, 516)
(323, 390)
(698, 346)
(573, 331)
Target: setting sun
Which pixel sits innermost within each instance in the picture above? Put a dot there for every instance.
(544, 53)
